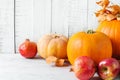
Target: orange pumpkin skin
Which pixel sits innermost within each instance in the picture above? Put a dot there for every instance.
(97, 46)
(112, 29)
(52, 45)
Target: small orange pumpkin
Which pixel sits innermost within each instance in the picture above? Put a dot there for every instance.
(96, 45)
(112, 29)
(53, 45)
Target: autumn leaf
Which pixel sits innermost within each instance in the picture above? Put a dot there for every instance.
(108, 13)
(57, 62)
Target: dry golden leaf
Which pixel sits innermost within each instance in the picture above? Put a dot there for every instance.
(110, 17)
(101, 18)
(51, 59)
(114, 9)
(57, 62)
(60, 62)
(102, 12)
(103, 3)
(107, 12)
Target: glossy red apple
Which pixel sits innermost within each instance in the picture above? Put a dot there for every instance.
(84, 68)
(108, 69)
(28, 49)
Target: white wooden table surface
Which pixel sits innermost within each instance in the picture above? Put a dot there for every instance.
(15, 67)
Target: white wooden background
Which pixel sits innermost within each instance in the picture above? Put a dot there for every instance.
(21, 19)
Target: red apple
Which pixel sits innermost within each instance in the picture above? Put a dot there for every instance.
(28, 49)
(84, 68)
(108, 69)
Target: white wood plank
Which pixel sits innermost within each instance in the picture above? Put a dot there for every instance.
(24, 21)
(115, 2)
(6, 26)
(33, 19)
(77, 16)
(59, 16)
(92, 8)
(42, 18)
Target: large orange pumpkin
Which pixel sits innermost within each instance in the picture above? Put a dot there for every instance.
(96, 45)
(112, 29)
(52, 45)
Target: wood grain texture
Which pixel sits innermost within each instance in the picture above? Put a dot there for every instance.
(34, 18)
(6, 26)
(15, 67)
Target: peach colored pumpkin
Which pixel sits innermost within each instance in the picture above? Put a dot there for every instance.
(52, 45)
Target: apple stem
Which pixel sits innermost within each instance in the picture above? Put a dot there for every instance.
(104, 69)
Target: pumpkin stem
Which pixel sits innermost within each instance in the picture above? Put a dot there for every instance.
(56, 36)
(90, 32)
